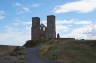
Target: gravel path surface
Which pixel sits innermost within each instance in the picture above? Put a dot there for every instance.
(32, 56)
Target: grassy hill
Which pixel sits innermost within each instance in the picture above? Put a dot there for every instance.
(70, 51)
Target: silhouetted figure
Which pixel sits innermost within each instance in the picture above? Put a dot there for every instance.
(58, 36)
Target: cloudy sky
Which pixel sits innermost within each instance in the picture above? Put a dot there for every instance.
(74, 18)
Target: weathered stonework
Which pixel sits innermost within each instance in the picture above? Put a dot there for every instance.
(43, 32)
(40, 31)
(51, 27)
(35, 28)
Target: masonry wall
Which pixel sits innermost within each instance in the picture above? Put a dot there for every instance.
(51, 27)
(35, 28)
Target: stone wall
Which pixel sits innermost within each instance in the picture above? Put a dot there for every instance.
(35, 28)
(51, 26)
(37, 32)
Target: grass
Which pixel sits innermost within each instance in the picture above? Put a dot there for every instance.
(70, 51)
(20, 54)
(32, 43)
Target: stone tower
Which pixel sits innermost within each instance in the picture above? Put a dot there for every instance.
(42, 32)
(35, 35)
(51, 27)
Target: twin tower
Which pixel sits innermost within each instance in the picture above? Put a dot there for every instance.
(42, 32)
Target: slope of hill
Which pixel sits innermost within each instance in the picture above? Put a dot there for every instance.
(70, 51)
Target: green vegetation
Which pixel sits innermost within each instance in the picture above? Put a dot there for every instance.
(20, 54)
(32, 43)
(70, 51)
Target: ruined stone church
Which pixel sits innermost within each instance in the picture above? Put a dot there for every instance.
(42, 32)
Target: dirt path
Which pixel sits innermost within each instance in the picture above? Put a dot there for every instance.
(33, 57)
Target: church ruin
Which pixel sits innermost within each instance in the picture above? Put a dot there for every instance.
(42, 32)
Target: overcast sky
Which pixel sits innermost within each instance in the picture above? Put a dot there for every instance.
(74, 18)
